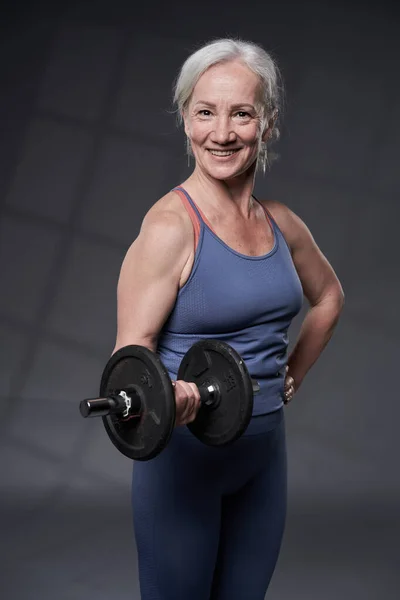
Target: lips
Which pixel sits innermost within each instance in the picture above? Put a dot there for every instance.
(223, 152)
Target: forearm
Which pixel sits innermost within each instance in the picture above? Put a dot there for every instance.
(316, 331)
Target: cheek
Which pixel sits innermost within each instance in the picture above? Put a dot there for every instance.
(248, 133)
(251, 135)
(199, 131)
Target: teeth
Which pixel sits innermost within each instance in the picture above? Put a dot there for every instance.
(223, 152)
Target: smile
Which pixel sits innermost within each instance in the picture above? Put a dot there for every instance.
(223, 152)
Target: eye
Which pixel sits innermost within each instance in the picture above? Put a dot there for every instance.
(243, 114)
(204, 112)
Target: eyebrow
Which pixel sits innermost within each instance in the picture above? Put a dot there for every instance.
(234, 106)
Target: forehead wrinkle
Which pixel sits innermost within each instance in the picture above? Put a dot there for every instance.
(234, 98)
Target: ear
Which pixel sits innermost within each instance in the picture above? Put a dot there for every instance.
(185, 122)
(270, 125)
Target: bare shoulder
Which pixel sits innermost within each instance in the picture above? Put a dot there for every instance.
(151, 273)
(292, 226)
(317, 276)
(170, 203)
(278, 210)
(166, 220)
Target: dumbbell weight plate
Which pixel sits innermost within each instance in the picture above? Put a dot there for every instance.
(208, 362)
(136, 368)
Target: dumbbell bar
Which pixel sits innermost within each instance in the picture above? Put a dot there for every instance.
(138, 400)
(127, 404)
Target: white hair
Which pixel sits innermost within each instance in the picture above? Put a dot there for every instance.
(255, 58)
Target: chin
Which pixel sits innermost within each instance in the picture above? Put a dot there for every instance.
(223, 174)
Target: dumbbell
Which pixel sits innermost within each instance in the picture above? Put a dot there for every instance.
(137, 399)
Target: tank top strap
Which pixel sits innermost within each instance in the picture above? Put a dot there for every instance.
(194, 212)
(277, 230)
(197, 216)
(270, 218)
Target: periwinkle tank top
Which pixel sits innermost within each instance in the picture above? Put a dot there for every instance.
(246, 301)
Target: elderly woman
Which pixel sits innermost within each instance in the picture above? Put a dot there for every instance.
(212, 261)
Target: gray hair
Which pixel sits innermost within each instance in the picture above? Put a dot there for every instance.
(255, 58)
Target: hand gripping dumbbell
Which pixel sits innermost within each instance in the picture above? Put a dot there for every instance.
(137, 399)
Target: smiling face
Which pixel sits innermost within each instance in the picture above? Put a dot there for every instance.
(224, 122)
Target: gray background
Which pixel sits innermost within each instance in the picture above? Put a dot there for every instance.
(87, 144)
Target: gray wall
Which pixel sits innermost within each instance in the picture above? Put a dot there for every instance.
(88, 143)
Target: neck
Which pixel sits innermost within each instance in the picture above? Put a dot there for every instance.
(227, 196)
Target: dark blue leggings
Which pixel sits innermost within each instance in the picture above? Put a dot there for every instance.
(209, 521)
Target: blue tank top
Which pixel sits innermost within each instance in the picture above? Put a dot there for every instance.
(246, 301)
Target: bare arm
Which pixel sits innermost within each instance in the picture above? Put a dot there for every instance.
(147, 289)
(321, 287)
(149, 278)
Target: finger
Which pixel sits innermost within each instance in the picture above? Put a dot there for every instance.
(193, 415)
(192, 409)
(287, 399)
(195, 392)
(187, 399)
(289, 382)
(180, 402)
(192, 394)
(182, 390)
(191, 389)
(289, 393)
(184, 411)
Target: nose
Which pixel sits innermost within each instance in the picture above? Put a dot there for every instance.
(222, 132)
